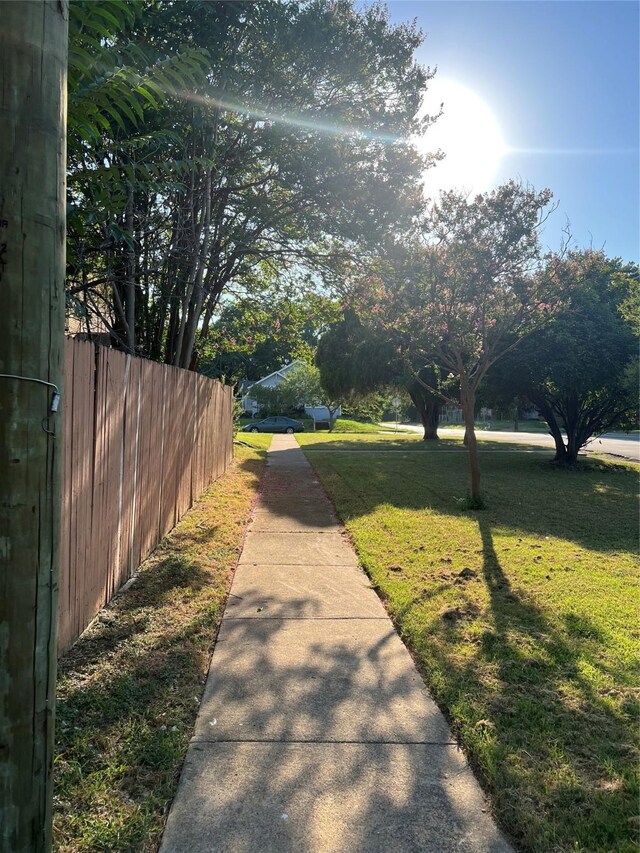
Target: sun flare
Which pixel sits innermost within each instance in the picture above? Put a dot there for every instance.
(468, 134)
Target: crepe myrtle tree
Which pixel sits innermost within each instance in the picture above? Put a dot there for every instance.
(212, 139)
(466, 294)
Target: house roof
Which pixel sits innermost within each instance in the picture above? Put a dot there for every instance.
(278, 372)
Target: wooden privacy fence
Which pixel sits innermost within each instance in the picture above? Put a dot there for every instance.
(142, 441)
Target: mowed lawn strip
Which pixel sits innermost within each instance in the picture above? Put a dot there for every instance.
(129, 689)
(523, 619)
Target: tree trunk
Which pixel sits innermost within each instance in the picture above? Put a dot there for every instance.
(570, 412)
(172, 331)
(195, 305)
(198, 263)
(427, 404)
(468, 402)
(130, 277)
(573, 446)
(33, 70)
(428, 411)
(549, 415)
(430, 418)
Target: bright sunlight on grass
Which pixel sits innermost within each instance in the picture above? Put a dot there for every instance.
(129, 689)
(356, 427)
(522, 617)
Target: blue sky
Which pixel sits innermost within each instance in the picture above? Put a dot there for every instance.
(561, 79)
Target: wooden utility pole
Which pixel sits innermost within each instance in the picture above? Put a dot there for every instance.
(33, 83)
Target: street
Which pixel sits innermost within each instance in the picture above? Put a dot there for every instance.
(614, 444)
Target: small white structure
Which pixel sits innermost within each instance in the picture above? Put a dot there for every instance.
(454, 415)
(451, 415)
(250, 405)
(321, 413)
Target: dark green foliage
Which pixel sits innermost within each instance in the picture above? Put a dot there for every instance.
(274, 137)
(356, 362)
(578, 370)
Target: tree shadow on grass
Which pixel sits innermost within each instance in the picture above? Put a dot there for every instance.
(121, 737)
(593, 505)
(127, 614)
(411, 444)
(550, 736)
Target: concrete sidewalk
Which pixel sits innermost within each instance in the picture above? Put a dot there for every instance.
(315, 731)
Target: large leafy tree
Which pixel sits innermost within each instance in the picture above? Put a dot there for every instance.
(356, 361)
(467, 295)
(119, 154)
(289, 149)
(580, 371)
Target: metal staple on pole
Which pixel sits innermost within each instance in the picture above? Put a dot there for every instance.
(55, 399)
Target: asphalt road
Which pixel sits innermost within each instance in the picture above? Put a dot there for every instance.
(614, 444)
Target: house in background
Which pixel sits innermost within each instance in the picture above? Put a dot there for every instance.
(251, 407)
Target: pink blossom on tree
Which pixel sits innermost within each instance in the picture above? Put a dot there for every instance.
(463, 297)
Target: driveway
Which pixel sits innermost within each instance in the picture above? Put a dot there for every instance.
(615, 444)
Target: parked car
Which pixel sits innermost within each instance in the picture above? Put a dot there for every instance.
(275, 424)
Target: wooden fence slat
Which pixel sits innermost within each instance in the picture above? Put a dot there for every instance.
(82, 465)
(124, 482)
(65, 628)
(134, 438)
(114, 413)
(97, 568)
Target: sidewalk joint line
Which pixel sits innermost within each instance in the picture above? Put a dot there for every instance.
(300, 532)
(195, 741)
(315, 565)
(309, 618)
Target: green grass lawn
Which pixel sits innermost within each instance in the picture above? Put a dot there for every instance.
(343, 425)
(523, 619)
(129, 689)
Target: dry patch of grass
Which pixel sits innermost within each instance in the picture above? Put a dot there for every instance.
(523, 619)
(129, 689)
